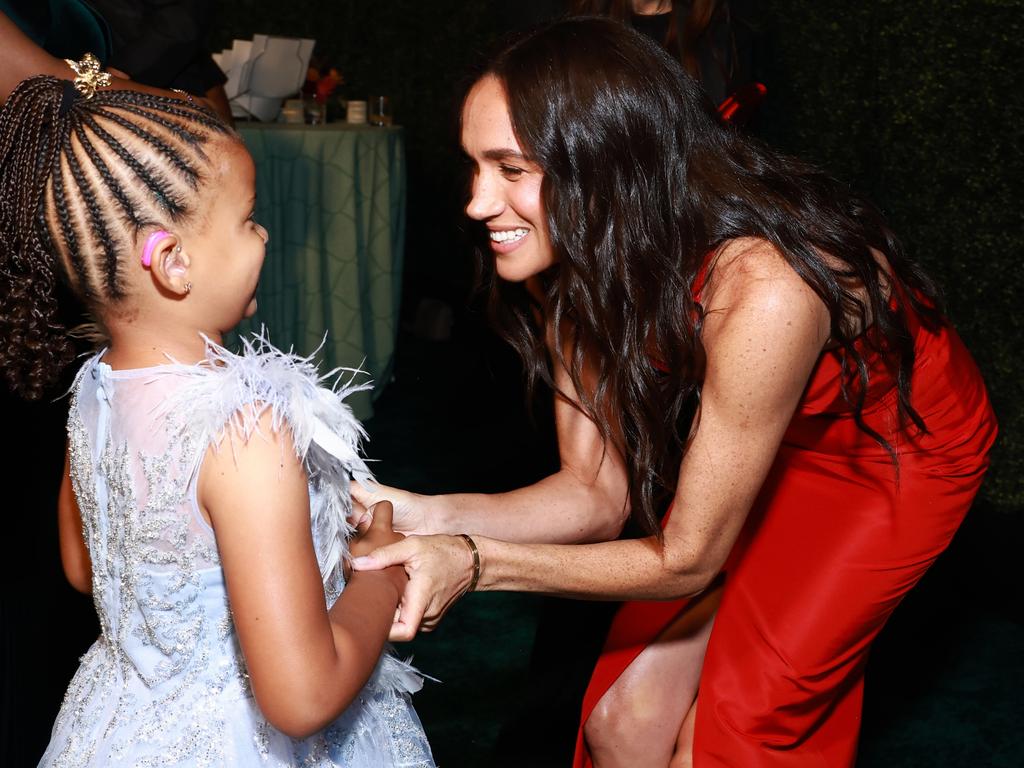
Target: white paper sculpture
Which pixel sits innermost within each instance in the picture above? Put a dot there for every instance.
(263, 72)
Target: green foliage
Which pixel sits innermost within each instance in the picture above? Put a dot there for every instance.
(913, 102)
(916, 103)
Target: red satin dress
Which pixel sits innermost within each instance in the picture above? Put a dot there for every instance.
(834, 541)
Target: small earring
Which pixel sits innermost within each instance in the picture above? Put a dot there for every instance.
(188, 288)
(177, 248)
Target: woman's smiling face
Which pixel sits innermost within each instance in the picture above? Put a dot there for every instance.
(506, 189)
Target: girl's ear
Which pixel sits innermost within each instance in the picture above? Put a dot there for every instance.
(169, 265)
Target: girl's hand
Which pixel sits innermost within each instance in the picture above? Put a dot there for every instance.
(373, 530)
(409, 515)
(440, 569)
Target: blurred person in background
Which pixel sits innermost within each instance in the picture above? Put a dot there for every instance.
(718, 42)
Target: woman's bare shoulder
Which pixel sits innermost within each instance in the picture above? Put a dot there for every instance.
(762, 323)
(751, 269)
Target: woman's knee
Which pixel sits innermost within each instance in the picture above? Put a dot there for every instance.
(627, 724)
(641, 713)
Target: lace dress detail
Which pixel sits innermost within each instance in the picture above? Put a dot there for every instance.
(165, 684)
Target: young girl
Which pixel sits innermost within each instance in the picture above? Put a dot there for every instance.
(205, 503)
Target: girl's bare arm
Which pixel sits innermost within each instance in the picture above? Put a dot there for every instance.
(74, 555)
(306, 664)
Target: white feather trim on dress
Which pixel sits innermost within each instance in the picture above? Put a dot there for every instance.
(231, 393)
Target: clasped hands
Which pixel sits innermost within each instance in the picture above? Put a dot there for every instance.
(439, 567)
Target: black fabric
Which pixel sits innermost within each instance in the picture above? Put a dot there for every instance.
(64, 28)
(731, 50)
(163, 42)
(654, 25)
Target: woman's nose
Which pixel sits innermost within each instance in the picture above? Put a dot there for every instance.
(262, 232)
(484, 202)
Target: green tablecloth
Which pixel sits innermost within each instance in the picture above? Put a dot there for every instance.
(332, 198)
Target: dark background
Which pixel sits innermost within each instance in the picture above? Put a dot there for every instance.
(914, 102)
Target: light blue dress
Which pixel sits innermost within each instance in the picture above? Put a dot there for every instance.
(165, 684)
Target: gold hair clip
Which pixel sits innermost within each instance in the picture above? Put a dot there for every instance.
(90, 76)
(185, 95)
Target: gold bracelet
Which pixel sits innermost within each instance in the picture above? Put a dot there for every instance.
(476, 563)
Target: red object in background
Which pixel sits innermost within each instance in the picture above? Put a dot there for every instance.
(327, 84)
(321, 86)
(741, 105)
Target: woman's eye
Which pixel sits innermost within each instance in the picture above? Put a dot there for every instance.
(511, 172)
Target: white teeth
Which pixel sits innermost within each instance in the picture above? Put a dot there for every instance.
(508, 235)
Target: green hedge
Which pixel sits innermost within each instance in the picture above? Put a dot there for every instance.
(916, 103)
(913, 102)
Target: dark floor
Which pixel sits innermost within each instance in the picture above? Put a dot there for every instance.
(944, 683)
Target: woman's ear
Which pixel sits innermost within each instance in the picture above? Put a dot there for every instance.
(169, 266)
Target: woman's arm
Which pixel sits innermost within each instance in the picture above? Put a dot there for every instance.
(585, 500)
(763, 334)
(305, 664)
(74, 555)
(20, 57)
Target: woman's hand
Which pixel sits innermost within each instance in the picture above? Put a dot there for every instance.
(439, 568)
(409, 509)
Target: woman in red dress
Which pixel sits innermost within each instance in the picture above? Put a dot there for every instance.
(725, 329)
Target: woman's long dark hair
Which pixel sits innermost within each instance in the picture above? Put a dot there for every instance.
(79, 179)
(642, 183)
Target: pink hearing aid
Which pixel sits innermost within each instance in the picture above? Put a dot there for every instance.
(151, 241)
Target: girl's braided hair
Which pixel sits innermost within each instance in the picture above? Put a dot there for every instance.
(79, 179)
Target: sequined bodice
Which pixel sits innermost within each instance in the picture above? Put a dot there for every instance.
(157, 584)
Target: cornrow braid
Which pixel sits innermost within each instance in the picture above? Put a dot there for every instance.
(79, 179)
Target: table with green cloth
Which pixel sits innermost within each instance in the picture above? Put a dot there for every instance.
(332, 198)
